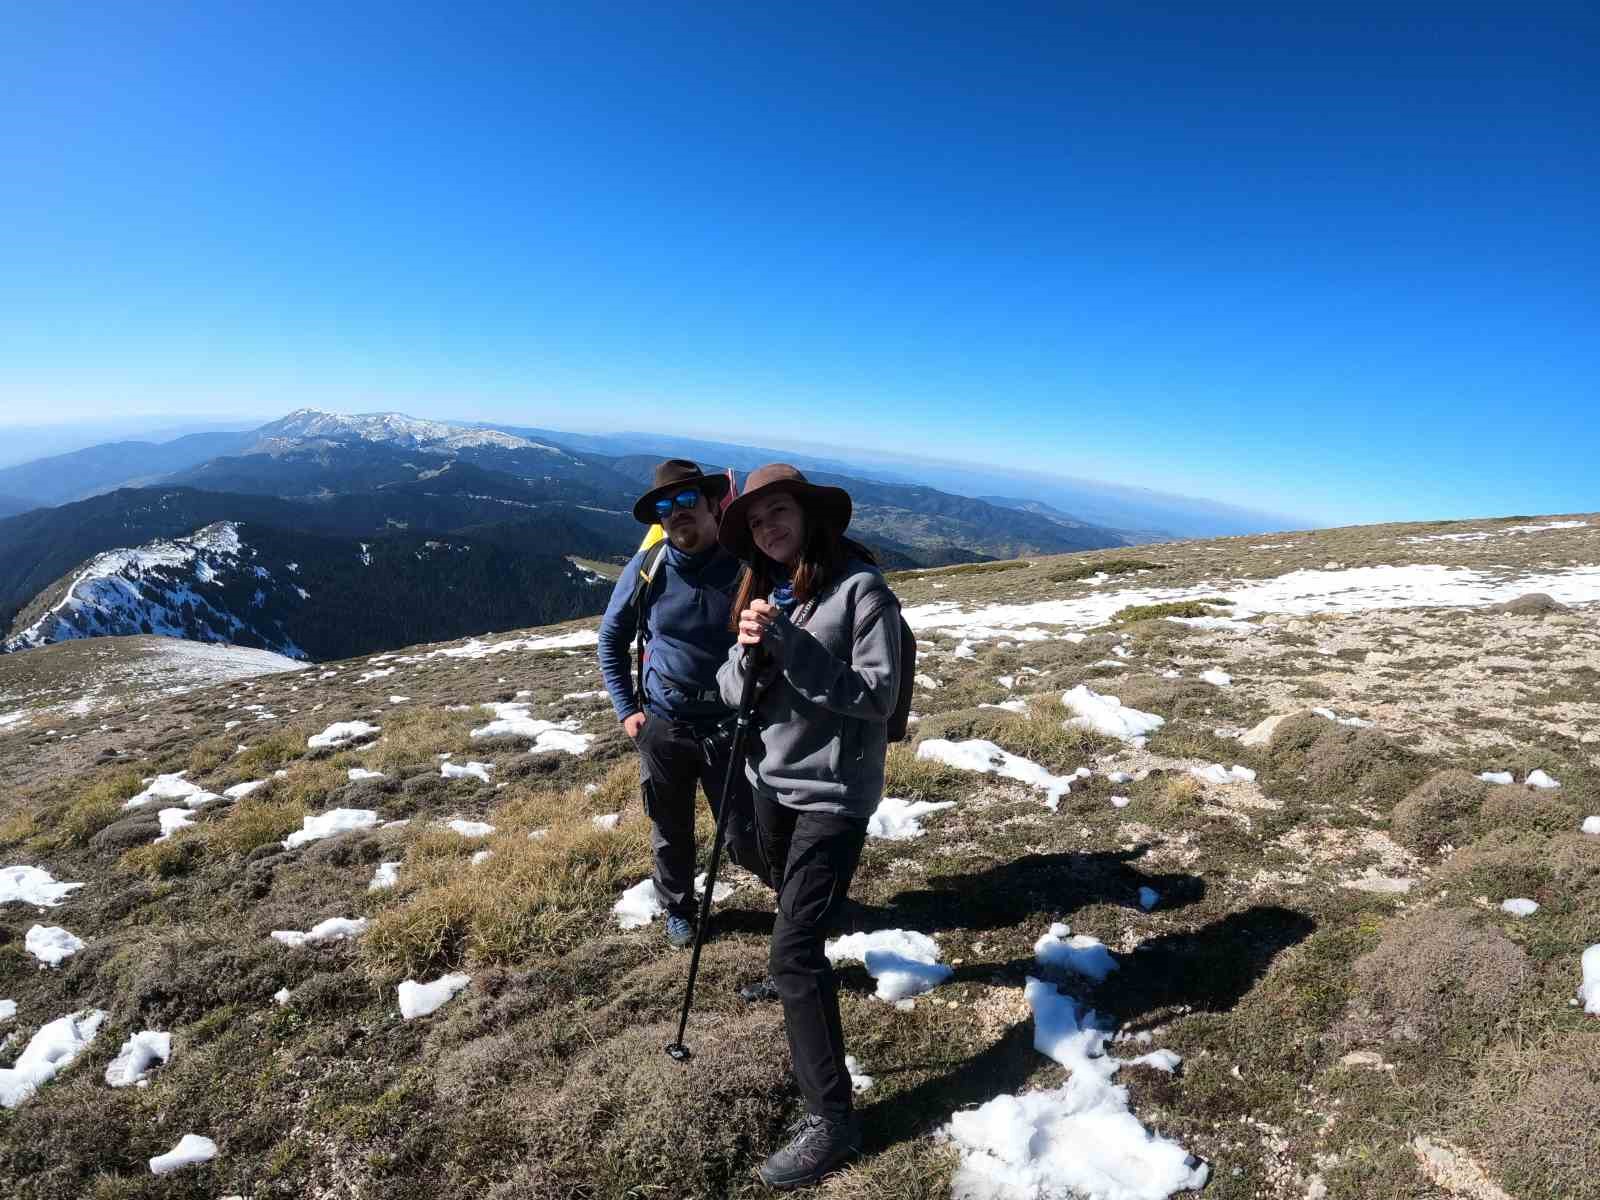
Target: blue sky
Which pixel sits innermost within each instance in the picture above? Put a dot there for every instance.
(1337, 260)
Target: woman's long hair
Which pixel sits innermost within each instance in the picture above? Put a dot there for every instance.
(822, 561)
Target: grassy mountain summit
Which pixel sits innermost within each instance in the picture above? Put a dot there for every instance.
(1292, 882)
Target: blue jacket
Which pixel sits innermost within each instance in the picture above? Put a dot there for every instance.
(686, 635)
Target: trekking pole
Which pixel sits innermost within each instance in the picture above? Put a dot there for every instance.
(676, 1049)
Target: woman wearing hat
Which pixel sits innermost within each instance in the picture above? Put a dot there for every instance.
(822, 628)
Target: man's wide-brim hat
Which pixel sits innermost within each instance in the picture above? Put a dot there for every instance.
(831, 504)
(672, 477)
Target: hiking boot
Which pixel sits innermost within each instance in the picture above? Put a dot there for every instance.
(680, 932)
(763, 989)
(818, 1147)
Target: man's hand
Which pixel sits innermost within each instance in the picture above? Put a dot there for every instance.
(754, 622)
(632, 723)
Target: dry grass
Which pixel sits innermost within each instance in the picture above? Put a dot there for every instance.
(177, 855)
(1536, 1111)
(911, 778)
(99, 805)
(252, 822)
(413, 738)
(266, 755)
(532, 896)
(17, 828)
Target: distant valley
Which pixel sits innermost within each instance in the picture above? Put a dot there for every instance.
(313, 487)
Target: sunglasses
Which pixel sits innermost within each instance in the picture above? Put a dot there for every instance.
(685, 499)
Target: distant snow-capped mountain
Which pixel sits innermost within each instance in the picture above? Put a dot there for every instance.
(309, 426)
(173, 588)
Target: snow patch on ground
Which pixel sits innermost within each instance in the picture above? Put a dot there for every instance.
(33, 885)
(900, 820)
(172, 820)
(334, 821)
(387, 875)
(1298, 593)
(1589, 990)
(48, 1053)
(1107, 715)
(904, 962)
(469, 770)
(420, 999)
(513, 719)
(172, 787)
(860, 1081)
(1078, 953)
(191, 1150)
(1077, 1140)
(341, 733)
(470, 829)
(334, 929)
(989, 759)
(51, 944)
(138, 1056)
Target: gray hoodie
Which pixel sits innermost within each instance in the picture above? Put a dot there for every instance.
(828, 691)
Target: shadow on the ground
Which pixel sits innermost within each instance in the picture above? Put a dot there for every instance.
(1209, 969)
(1013, 892)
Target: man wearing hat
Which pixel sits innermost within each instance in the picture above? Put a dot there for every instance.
(680, 721)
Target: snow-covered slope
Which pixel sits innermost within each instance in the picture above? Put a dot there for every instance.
(173, 588)
(308, 426)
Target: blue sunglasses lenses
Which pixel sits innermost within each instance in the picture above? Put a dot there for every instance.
(685, 500)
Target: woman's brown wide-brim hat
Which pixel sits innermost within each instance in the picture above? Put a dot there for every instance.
(672, 477)
(832, 503)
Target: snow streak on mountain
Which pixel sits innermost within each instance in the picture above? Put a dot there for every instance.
(309, 425)
(174, 588)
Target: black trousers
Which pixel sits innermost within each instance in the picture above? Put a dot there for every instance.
(813, 858)
(674, 756)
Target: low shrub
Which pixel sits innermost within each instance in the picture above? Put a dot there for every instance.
(1516, 807)
(1333, 759)
(1443, 977)
(1438, 811)
(1110, 566)
(1172, 608)
(978, 568)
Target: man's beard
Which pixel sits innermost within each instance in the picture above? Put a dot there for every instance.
(686, 532)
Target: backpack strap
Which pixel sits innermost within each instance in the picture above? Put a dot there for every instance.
(643, 592)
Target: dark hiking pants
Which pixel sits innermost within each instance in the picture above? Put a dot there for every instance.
(673, 757)
(813, 858)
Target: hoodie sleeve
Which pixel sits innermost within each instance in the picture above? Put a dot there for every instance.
(617, 630)
(866, 686)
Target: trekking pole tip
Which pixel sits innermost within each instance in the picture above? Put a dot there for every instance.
(678, 1052)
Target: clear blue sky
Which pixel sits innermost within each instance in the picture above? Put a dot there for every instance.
(1333, 259)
